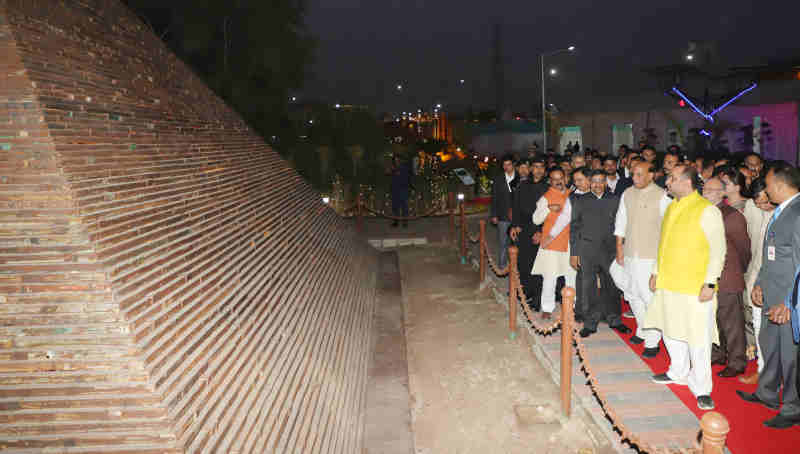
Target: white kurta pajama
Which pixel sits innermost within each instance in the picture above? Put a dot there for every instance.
(552, 264)
(635, 285)
(688, 325)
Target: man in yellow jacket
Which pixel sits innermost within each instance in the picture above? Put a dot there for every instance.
(691, 255)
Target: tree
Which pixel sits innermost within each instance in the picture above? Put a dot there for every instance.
(252, 53)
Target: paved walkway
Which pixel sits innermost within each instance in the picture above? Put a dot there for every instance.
(473, 390)
(651, 411)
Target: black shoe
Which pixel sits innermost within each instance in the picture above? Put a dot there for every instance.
(636, 340)
(586, 332)
(728, 372)
(651, 352)
(705, 403)
(579, 318)
(783, 422)
(664, 379)
(621, 329)
(751, 397)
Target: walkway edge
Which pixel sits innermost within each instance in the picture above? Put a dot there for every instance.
(387, 425)
(601, 423)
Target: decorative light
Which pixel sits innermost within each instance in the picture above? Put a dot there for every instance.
(399, 87)
(691, 104)
(741, 93)
(703, 132)
(311, 122)
(460, 196)
(326, 200)
(690, 57)
(438, 106)
(461, 81)
(553, 71)
(338, 105)
(294, 98)
(486, 159)
(571, 48)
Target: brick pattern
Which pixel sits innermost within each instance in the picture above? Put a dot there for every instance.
(169, 283)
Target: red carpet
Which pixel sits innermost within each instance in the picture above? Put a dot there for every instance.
(748, 435)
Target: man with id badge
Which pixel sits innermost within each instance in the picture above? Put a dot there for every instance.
(775, 282)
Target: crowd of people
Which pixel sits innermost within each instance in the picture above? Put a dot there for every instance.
(690, 242)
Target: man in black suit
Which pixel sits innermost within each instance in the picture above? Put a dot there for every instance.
(592, 249)
(500, 211)
(526, 194)
(775, 282)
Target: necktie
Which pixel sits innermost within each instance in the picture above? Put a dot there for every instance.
(774, 217)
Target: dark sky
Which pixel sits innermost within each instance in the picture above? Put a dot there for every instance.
(366, 47)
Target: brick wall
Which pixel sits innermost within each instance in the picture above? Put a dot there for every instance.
(168, 283)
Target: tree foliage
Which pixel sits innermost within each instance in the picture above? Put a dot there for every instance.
(252, 53)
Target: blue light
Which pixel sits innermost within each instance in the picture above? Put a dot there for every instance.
(691, 104)
(741, 93)
(703, 132)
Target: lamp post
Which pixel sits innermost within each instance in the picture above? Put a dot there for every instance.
(544, 106)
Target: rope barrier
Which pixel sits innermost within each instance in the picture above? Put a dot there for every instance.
(713, 424)
(405, 218)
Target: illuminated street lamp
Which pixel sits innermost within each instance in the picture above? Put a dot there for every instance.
(552, 72)
(326, 200)
(690, 57)
(399, 87)
(460, 196)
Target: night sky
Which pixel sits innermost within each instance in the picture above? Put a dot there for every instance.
(366, 47)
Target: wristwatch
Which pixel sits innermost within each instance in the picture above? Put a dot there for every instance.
(711, 286)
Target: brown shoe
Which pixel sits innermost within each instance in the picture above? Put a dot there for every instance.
(751, 379)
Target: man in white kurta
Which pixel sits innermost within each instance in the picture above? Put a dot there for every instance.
(638, 229)
(691, 256)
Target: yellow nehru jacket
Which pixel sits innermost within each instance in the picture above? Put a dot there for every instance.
(683, 252)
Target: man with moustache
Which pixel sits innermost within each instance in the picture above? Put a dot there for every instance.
(552, 259)
(526, 195)
(730, 317)
(691, 255)
(613, 179)
(592, 248)
(776, 291)
(637, 230)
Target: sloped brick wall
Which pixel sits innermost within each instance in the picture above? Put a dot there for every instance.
(169, 283)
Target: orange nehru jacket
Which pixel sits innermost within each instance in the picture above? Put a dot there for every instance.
(561, 242)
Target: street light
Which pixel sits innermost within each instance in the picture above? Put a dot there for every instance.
(544, 111)
(690, 57)
(399, 87)
(553, 71)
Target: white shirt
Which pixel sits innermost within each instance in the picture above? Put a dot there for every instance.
(509, 179)
(612, 184)
(621, 222)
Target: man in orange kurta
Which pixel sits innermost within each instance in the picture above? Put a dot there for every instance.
(552, 260)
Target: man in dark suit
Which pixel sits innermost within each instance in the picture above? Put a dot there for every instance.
(500, 211)
(526, 194)
(781, 252)
(592, 248)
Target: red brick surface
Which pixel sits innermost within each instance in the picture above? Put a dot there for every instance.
(167, 282)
